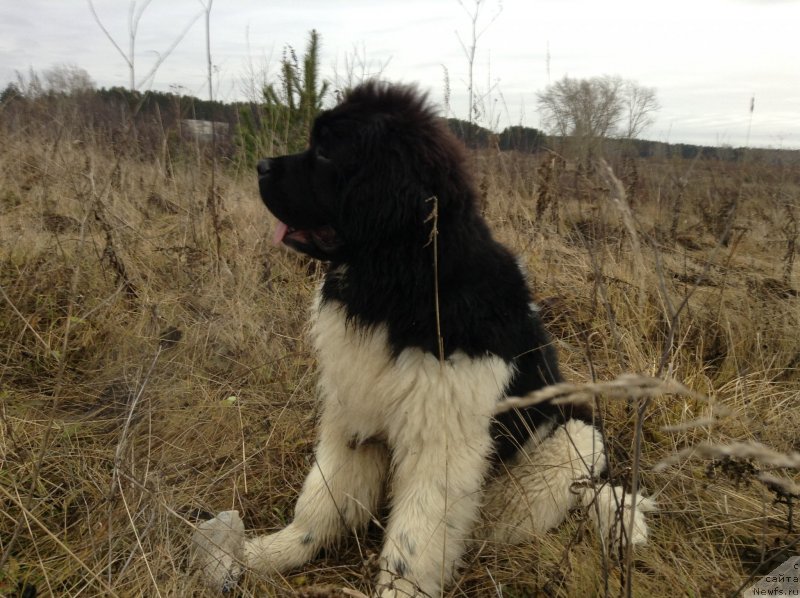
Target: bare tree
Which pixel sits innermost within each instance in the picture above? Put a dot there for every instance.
(585, 108)
(30, 86)
(67, 78)
(585, 111)
(134, 17)
(470, 48)
(357, 69)
(640, 104)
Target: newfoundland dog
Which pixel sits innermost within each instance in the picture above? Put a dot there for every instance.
(422, 324)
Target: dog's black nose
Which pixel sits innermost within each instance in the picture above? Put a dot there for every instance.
(263, 167)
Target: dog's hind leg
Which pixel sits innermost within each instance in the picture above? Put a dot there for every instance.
(535, 493)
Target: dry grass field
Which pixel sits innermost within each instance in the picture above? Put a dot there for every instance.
(154, 371)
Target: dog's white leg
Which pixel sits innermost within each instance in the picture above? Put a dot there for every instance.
(340, 493)
(436, 497)
(610, 505)
(535, 493)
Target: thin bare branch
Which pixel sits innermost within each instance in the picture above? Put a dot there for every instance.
(741, 450)
(626, 386)
(108, 35)
(147, 79)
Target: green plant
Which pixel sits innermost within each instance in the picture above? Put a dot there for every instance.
(283, 121)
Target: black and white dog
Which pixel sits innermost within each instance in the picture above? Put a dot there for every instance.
(423, 323)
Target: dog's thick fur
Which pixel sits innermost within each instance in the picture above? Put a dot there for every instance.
(421, 325)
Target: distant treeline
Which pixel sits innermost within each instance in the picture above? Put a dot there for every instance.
(130, 102)
(127, 120)
(158, 115)
(529, 140)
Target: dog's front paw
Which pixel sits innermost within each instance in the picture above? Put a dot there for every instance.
(218, 546)
(610, 509)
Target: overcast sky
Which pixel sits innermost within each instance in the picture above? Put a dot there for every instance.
(706, 58)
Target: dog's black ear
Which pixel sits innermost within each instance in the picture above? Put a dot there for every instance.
(386, 200)
(401, 178)
(402, 155)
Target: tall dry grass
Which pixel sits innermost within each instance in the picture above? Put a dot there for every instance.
(148, 380)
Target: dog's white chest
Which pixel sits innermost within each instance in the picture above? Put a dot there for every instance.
(355, 371)
(376, 394)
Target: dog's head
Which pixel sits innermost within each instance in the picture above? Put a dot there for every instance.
(367, 179)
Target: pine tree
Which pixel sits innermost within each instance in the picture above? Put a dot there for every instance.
(282, 123)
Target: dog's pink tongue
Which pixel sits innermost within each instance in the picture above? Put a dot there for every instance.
(280, 233)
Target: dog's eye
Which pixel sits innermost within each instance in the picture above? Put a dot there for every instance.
(321, 154)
